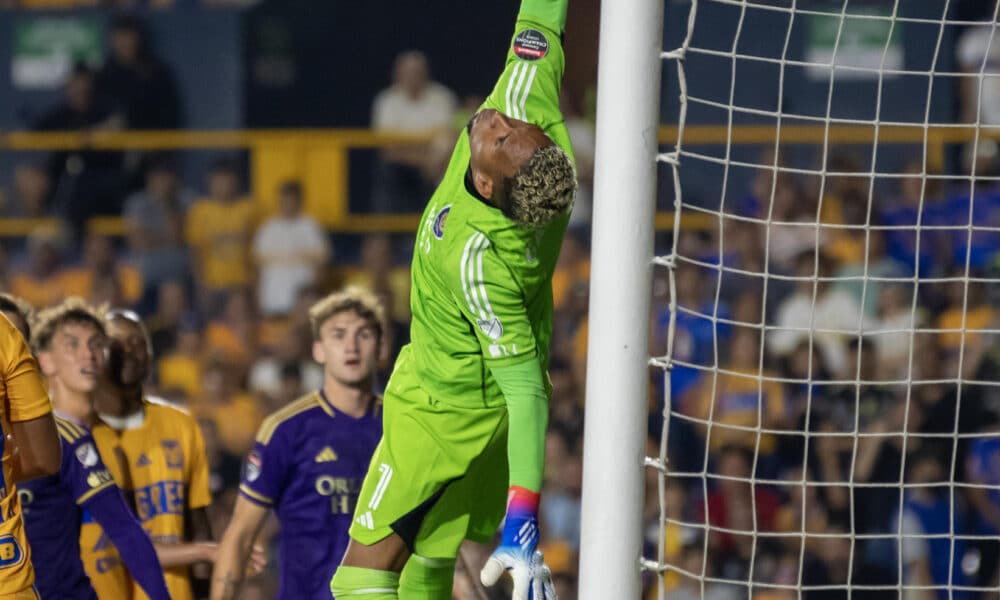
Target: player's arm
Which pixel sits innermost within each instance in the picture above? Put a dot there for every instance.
(93, 489)
(125, 532)
(261, 486)
(37, 449)
(236, 548)
(494, 303)
(529, 87)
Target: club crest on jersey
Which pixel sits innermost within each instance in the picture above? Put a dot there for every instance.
(252, 469)
(87, 455)
(439, 222)
(531, 44)
(173, 454)
(491, 327)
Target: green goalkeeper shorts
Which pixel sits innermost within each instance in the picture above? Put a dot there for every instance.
(438, 476)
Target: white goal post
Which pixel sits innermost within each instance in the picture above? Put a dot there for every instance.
(617, 373)
(824, 295)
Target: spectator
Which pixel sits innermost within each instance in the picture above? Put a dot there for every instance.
(377, 271)
(893, 337)
(179, 371)
(154, 221)
(267, 374)
(963, 322)
(235, 412)
(290, 249)
(793, 228)
(219, 229)
(99, 263)
(864, 279)
(584, 138)
(232, 336)
(412, 104)
(88, 182)
(29, 197)
(918, 200)
(829, 315)
(731, 504)
(39, 281)
(560, 508)
(982, 470)
(172, 306)
(931, 510)
(978, 54)
(738, 398)
(693, 560)
(135, 82)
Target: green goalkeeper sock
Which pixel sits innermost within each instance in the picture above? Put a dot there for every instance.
(427, 578)
(369, 584)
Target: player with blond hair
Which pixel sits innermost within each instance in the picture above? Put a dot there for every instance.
(311, 456)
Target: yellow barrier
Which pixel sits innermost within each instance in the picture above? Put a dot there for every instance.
(319, 158)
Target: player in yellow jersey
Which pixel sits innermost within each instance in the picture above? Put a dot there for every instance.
(32, 450)
(155, 451)
(67, 339)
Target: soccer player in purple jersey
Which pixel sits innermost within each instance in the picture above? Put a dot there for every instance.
(55, 506)
(311, 456)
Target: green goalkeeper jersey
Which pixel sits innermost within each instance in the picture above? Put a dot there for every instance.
(482, 293)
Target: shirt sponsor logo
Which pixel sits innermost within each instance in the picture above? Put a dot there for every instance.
(326, 455)
(491, 327)
(98, 478)
(440, 221)
(161, 498)
(531, 44)
(87, 455)
(173, 453)
(251, 470)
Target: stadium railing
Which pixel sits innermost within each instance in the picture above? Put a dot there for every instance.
(320, 158)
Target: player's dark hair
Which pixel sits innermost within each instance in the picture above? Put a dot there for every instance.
(542, 189)
(292, 186)
(72, 310)
(24, 311)
(356, 299)
(224, 166)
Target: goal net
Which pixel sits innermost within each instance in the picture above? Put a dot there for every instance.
(823, 303)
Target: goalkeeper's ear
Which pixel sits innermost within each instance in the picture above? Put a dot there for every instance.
(483, 184)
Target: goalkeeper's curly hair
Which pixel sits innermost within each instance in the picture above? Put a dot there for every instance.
(542, 189)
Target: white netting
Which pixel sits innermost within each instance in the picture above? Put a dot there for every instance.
(825, 322)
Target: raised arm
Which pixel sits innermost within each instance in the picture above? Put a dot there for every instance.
(529, 87)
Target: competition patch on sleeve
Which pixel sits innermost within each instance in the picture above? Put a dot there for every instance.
(440, 221)
(252, 468)
(531, 44)
(87, 455)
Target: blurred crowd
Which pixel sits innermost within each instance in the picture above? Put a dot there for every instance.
(834, 368)
(832, 358)
(224, 287)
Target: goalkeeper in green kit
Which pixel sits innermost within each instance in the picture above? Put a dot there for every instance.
(466, 408)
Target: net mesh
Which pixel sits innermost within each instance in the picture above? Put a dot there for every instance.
(823, 307)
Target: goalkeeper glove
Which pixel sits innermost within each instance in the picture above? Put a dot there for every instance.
(516, 552)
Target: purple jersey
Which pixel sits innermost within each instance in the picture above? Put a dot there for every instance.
(308, 464)
(53, 511)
